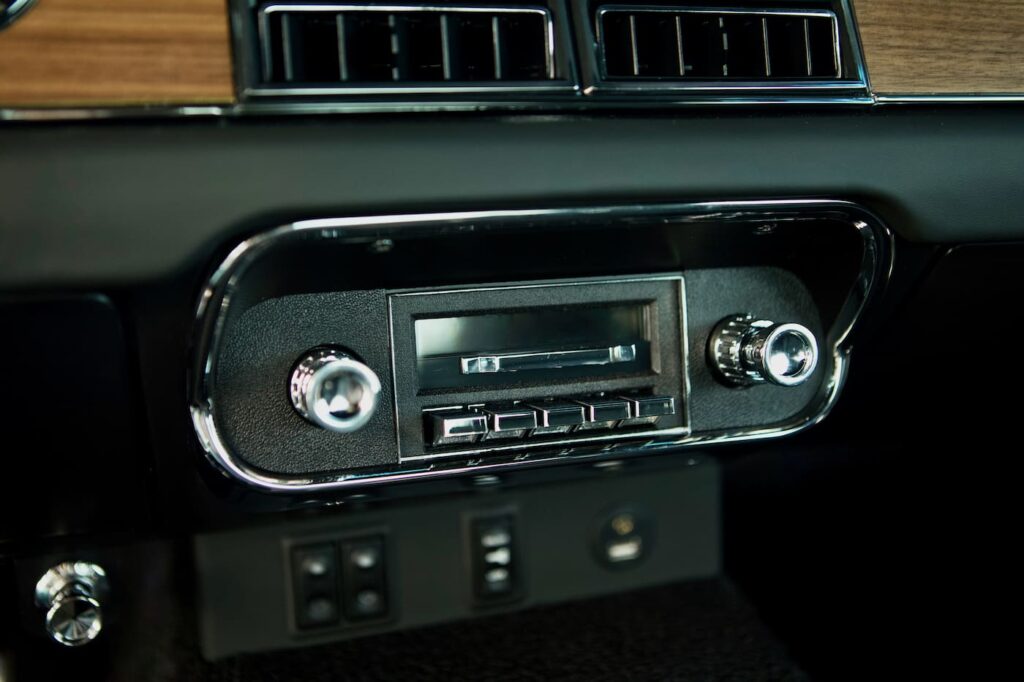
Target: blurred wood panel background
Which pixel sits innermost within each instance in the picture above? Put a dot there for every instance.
(117, 52)
(943, 46)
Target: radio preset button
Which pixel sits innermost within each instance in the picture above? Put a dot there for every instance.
(457, 426)
(604, 413)
(513, 422)
(648, 409)
(557, 417)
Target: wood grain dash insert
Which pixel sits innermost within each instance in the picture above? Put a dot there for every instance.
(943, 46)
(117, 52)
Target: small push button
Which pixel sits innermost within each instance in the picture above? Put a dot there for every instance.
(604, 413)
(315, 583)
(648, 409)
(512, 422)
(364, 579)
(459, 426)
(557, 416)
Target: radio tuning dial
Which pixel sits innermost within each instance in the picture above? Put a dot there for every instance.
(333, 390)
(745, 351)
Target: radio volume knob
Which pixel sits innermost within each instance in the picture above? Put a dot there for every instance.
(333, 390)
(745, 351)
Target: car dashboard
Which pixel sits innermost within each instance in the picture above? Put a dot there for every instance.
(503, 340)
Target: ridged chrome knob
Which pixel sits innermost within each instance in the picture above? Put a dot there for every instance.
(745, 351)
(70, 592)
(333, 390)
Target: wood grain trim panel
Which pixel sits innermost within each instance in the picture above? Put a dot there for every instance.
(943, 46)
(117, 52)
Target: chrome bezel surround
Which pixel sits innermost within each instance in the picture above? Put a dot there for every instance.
(526, 446)
(552, 84)
(876, 267)
(14, 11)
(582, 86)
(682, 84)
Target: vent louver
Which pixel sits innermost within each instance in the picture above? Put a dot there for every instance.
(361, 46)
(650, 43)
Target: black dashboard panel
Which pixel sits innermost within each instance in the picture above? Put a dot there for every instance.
(153, 197)
(352, 351)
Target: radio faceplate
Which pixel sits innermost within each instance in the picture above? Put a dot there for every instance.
(327, 357)
(501, 362)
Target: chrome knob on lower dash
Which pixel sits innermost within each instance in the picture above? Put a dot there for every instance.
(333, 390)
(745, 351)
(70, 593)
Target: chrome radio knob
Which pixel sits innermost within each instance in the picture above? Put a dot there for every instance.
(334, 390)
(70, 593)
(745, 351)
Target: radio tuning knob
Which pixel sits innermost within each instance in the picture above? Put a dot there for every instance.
(745, 351)
(333, 390)
(70, 594)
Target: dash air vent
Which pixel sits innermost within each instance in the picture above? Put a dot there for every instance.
(684, 43)
(388, 47)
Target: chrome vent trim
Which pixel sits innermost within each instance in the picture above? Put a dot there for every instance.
(767, 24)
(574, 76)
(469, 49)
(668, 31)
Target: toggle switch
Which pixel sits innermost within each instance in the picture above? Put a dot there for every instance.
(495, 566)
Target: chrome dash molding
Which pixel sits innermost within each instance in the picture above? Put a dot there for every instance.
(11, 10)
(217, 295)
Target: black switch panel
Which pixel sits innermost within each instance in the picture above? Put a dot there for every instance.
(315, 572)
(364, 580)
(495, 561)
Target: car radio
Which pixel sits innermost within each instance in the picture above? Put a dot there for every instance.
(540, 364)
(322, 362)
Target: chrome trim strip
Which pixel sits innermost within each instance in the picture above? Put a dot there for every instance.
(41, 115)
(554, 359)
(272, 108)
(876, 267)
(512, 87)
(979, 98)
(13, 10)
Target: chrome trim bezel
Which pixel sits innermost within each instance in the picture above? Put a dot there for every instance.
(597, 84)
(277, 108)
(965, 98)
(528, 446)
(14, 11)
(876, 268)
(681, 81)
(249, 88)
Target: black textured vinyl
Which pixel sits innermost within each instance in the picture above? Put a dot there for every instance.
(256, 360)
(768, 293)
(149, 195)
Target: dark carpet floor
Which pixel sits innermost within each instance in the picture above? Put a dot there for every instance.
(691, 631)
